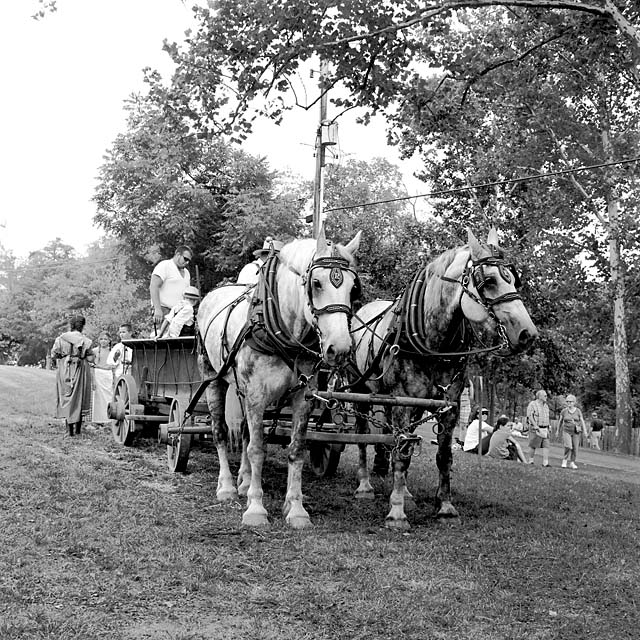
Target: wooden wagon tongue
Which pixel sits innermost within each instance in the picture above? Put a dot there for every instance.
(374, 398)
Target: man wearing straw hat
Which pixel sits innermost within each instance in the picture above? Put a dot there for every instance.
(250, 273)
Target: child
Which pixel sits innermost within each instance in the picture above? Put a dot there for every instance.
(181, 316)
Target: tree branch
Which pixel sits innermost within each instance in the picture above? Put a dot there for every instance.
(502, 63)
(434, 10)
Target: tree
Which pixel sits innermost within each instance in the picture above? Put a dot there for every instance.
(163, 184)
(568, 107)
(54, 283)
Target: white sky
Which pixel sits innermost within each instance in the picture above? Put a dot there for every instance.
(65, 78)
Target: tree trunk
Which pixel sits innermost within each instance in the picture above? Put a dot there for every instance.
(620, 353)
(624, 415)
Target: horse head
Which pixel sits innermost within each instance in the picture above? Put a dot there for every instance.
(331, 285)
(490, 295)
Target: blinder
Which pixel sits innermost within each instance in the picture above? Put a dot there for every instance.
(507, 272)
(476, 273)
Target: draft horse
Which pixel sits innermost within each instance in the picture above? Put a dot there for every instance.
(419, 345)
(262, 340)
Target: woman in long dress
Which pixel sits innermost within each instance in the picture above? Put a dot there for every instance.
(102, 380)
(72, 350)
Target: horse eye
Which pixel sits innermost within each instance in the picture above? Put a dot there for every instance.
(490, 281)
(316, 284)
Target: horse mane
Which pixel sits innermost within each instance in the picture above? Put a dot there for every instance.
(298, 253)
(435, 269)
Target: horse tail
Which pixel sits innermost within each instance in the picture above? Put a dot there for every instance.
(234, 417)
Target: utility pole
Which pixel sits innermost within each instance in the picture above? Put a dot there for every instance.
(325, 136)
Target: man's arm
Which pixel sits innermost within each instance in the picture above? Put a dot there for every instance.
(154, 290)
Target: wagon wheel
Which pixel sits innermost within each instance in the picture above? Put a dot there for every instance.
(125, 399)
(178, 444)
(324, 458)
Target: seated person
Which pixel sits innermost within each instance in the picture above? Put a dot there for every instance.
(250, 273)
(502, 445)
(180, 320)
(472, 437)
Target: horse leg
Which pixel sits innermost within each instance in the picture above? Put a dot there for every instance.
(255, 514)
(296, 515)
(444, 459)
(215, 394)
(364, 490)
(396, 518)
(244, 473)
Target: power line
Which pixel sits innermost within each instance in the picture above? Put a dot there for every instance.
(443, 192)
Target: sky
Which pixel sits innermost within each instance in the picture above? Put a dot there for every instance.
(65, 80)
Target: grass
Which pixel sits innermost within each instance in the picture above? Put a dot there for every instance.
(103, 542)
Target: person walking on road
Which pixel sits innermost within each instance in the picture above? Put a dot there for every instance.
(572, 426)
(538, 426)
(597, 426)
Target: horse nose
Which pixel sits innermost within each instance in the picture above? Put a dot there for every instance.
(526, 338)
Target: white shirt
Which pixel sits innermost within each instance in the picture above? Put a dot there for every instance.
(122, 362)
(250, 273)
(471, 439)
(179, 316)
(173, 282)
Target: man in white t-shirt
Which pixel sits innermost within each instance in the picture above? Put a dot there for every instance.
(168, 281)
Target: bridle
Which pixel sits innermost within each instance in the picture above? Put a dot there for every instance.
(474, 274)
(338, 265)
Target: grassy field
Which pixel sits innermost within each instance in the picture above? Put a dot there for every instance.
(103, 542)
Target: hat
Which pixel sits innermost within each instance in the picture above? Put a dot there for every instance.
(191, 292)
(268, 243)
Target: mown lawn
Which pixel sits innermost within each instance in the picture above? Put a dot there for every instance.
(103, 542)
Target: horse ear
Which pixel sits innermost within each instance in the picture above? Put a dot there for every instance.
(492, 237)
(354, 245)
(321, 244)
(473, 242)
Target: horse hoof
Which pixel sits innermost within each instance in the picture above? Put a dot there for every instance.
(447, 510)
(365, 495)
(299, 522)
(227, 495)
(397, 525)
(255, 520)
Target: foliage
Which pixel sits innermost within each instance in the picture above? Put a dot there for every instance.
(54, 283)
(163, 184)
(394, 243)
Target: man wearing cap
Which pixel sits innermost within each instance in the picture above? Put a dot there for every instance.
(168, 281)
(180, 319)
(250, 273)
(473, 434)
(538, 424)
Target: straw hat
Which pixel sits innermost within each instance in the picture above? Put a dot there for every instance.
(192, 292)
(266, 247)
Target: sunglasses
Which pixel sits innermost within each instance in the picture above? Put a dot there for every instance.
(186, 259)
